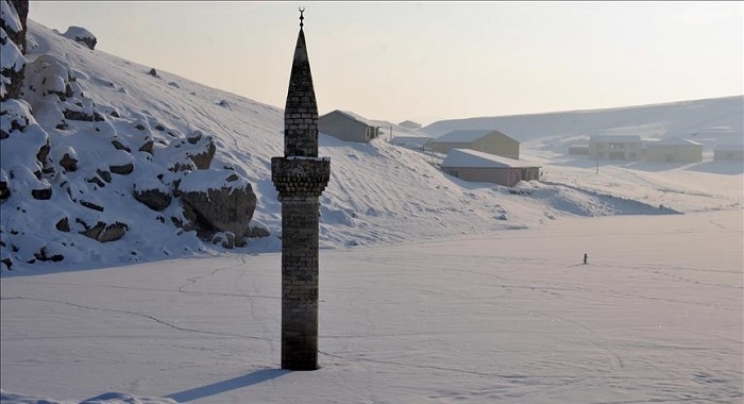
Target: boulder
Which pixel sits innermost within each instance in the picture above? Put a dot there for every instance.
(69, 163)
(44, 193)
(258, 229)
(203, 154)
(63, 225)
(104, 232)
(219, 205)
(82, 35)
(154, 196)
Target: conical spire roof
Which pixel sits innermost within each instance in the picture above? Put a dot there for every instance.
(301, 110)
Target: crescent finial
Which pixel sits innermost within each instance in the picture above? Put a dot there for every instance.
(302, 10)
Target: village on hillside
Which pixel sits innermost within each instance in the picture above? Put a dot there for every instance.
(489, 155)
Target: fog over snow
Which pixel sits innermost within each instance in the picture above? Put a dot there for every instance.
(433, 289)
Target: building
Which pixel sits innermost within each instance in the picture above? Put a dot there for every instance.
(674, 151)
(300, 176)
(487, 141)
(616, 147)
(411, 141)
(349, 126)
(471, 165)
(728, 152)
(578, 150)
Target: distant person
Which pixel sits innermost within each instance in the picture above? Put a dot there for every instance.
(586, 258)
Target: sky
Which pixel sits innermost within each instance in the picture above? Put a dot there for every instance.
(426, 61)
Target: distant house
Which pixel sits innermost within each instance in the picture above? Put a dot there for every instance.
(411, 141)
(487, 141)
(471, 165)
(674, 151)
(410, 125)
(615, 147)
(728, 152)
(578, 150)
(348, 126)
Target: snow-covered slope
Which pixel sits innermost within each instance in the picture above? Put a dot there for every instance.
(378, 193)
(710, 122)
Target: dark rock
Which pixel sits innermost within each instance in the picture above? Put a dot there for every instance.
(8, 263)
(147, 146)
(153, 72)
(153, 198)
(68, 163)
(195, 137)
(203, 159)
(4, 190)
(63, 225)
(123, 169)
(42, 194)
(91, 205)
(43, 152)
(82, 116)
(114, 114)
(105, 232)
(159, 127)
(104, 174)
(95, 180)
(118, 145)
(178, 166)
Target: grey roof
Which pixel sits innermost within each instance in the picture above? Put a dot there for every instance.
(475, 159)
(358, 118)
(615, 138)
(676, 142)
(465, 136)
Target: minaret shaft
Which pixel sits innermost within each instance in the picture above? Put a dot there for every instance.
(300, 178)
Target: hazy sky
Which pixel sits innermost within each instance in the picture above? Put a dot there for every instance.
(432, 60)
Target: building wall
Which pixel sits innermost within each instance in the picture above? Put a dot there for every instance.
(674, 153)
(578, 150)
(728, 155)
(506, 176)
(615, 150)
(499, 145)
(342, 127)
(494, 143)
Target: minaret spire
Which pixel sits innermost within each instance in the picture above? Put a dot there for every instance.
(300, 177)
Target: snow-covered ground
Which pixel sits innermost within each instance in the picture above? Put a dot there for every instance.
(433, 289)
(510, 317)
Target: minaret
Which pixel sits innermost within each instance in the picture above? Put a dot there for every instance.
(300, 177)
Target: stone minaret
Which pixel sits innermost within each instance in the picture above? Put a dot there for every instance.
(300, 177)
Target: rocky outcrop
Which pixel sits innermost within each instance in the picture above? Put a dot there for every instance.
(104, 232)
(19, 37)
(203, 151)
(224, 206)
(12, 46)
(152, 194)
(81, 35)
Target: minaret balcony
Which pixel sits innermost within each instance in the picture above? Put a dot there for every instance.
(296, 177)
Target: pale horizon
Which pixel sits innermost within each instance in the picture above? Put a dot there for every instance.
(428, 61)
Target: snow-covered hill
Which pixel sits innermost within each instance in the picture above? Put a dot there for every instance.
(378, 193)
(710, 122)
